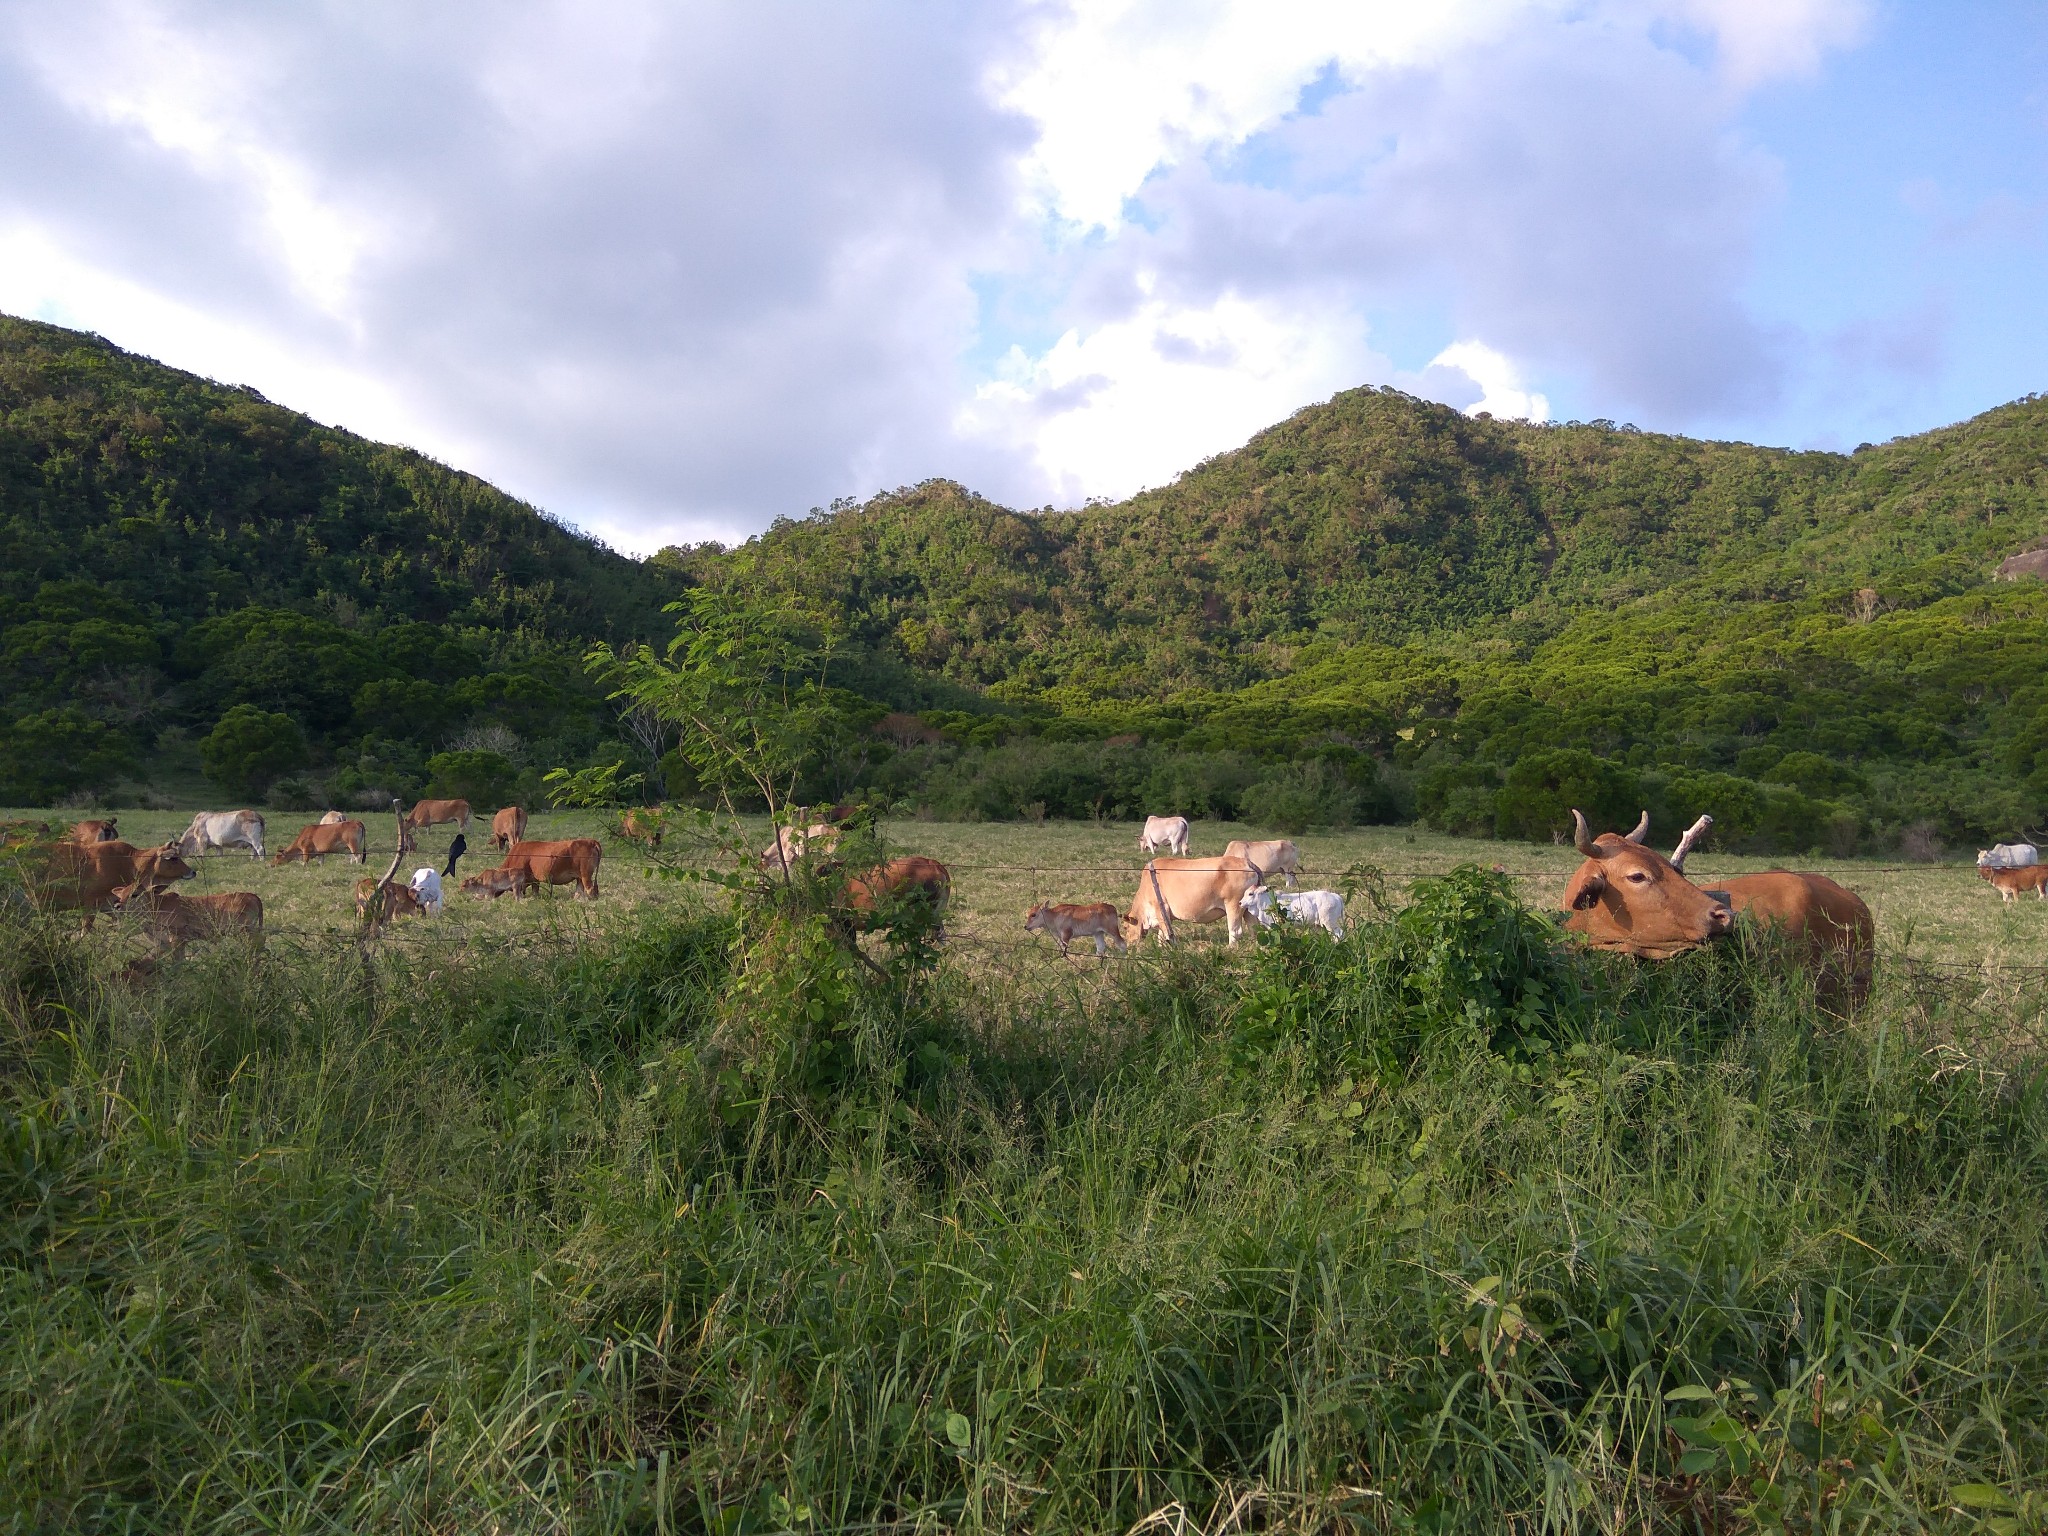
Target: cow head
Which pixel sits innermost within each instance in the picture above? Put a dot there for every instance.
(1258, 903)
(1627, 897)
(160, 866)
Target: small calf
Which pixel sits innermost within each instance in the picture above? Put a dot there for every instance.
(2012, 879)
(399, 900)
(1067, 922)
(493, 883)
(1325, 908)
(177, 920)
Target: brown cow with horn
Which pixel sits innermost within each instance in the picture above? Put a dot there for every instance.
(1631, 898)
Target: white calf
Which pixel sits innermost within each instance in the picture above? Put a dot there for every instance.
(1325, 908)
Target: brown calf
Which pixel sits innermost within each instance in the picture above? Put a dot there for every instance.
(1067, 922)
(642, 825)
(2010, 880)
(493, 883)
(399, 900)
(176, 920)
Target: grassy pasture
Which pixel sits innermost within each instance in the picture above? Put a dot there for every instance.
(557, 1216)
(1941, 913)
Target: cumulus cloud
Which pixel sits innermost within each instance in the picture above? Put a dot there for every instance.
(674, 271)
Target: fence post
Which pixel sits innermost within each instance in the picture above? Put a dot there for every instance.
(1165, 912)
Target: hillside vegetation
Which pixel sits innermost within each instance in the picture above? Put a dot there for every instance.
(172, 548)
(1379, 609)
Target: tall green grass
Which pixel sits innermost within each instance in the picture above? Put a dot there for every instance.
(709, 1228)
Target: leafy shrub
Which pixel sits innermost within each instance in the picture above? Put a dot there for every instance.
(59, 752)
(1459, 798)
(481, 778)
(1297, 796)
(250, 747)
(293, 794)
(1543, 788)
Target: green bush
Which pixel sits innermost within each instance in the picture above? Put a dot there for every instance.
(1542, 790)
(59, 752)
(486, 780)
(1296, 796)
(250, 747)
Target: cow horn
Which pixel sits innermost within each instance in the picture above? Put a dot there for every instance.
(1642, 829)
(1582, 839)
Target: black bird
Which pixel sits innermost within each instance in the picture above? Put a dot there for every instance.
(456, 850)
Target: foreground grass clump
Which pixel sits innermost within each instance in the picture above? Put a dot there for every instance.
(711, 1227)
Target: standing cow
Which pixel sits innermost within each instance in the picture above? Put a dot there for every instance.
(1192, 891)
(1068, 921)
(509, 827)
(223, 829)
(316, 842)
(2010, 880)
(1276, 856)
(567, 861)
(1168, 832)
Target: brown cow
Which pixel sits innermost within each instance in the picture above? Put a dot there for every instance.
(872, 894)
(2010, 880)
(316, 842)
(1628, 898)
(177, 920)
(1194, 891)
(1829, 926)
(493, 883)
(91, 877)
(432, 813)
(509, 827)
(1067, 921)
(642, 824)
(96, 831)
(400, 901)
(571, 861)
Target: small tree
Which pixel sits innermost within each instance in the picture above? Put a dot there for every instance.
(250, 747)
(59, 752)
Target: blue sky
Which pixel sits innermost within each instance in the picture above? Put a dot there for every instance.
(671, 271)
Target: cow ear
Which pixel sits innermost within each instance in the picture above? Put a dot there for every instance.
(1588, 895)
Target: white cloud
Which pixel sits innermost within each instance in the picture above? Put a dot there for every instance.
(1499, 381)
(1134, 402)
(673, 271)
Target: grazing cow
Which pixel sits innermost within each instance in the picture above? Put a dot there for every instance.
(642, 825)
(177, 920)
(90, 877)
(1168, 832)
(791, 843)
(509, 827)
(1274, 857)
(1324, 908)
(433, 813)
(875, 895)
(2008, 856)
(2010, 881)
(1067, 922)
(1194, 891)
(1829, 926)
(399, 900)
(333, 818)
(570, 861)
(96, 831)
(316, 842)
(223, 829)
(493, 883)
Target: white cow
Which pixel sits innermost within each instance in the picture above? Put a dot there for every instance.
(334, 818)
(1323, 907)
(2008, 856)
(426, 885)
(1168, 832)
(1276, 856)
(222, 829)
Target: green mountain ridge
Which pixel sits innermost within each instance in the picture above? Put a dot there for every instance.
(1377, 608)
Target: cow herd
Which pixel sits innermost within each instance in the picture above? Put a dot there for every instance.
(1624, 897)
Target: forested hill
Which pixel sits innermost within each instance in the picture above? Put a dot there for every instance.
(1378, 517)
(1382, 608)
(172, 548)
